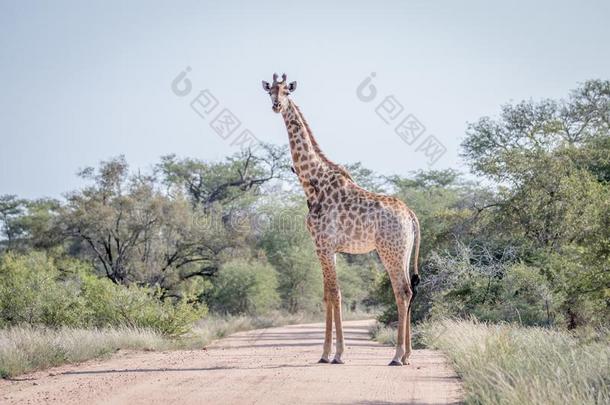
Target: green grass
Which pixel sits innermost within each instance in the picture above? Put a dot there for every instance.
(27, 348)
(511, 364)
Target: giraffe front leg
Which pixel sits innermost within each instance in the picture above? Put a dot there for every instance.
(340, 344)
(332, 296)
(328, 333)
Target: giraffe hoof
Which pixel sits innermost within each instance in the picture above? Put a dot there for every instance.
(395, 363)
(406, 362)
(337, 361)
(323, 360)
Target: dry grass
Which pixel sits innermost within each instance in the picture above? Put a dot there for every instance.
(214, 327)
(386, 335)
(383, 334)
(511, 364)
(24, 348)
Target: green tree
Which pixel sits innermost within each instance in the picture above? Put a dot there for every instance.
(241, 175)
(551, 161)
(11, 208)
(365, 177)
(36, 289)
(135, 233)
(244, 287)
(288, 247)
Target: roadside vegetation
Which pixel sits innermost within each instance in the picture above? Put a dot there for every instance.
(193, 250)
(29, 348)
(507, 363)
(528, 260)
(511, 364)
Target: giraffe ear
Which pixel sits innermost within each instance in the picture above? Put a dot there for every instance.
(266, 86)
(292, 86)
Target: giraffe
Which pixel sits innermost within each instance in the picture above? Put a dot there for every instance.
(345, 218)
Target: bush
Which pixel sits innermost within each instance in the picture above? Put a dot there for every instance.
(301, 282)
(354, 280)
(288, 247)
(525, 297)
(139, 307)
(34, 292)
(244, 287)
(31, 293)
(581, 282)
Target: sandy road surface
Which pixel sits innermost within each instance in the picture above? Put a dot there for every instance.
(267, 366)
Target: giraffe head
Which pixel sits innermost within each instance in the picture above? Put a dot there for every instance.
(279, 91)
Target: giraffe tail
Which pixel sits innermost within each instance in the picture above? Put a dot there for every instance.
(415, 275)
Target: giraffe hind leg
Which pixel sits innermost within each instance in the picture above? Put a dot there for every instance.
(395, 264)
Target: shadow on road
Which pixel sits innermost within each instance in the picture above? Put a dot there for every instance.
(184, 369)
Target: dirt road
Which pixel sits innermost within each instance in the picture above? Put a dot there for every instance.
(269, 366)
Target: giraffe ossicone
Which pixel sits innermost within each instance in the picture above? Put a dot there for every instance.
(345, 218)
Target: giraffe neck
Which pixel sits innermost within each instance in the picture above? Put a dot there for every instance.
(306, 161)
(330, 164)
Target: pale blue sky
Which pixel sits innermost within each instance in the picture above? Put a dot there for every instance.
(82, 81)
